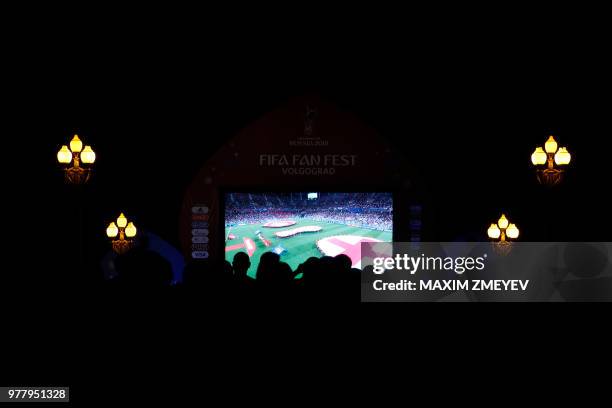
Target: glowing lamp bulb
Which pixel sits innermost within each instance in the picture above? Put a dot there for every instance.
(503, 222)
(88, 156)
(551, 145)
(121, 221)
(64, 155)
(112, 230)
(76, 145)
(512, 232)
(563, 157)
(130, 230)
(493, 232)
(538, 157)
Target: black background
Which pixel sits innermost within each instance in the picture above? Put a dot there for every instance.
(155, 95)
(467, 112)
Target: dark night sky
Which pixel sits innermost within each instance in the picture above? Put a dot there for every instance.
(467, 114)
(155, 95)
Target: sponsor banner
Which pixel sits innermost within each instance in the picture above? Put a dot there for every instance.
(199, 210)
(486, 271)
(199, 224)
(199, 254)
(199, 231)
(199, 239)
(199, 247)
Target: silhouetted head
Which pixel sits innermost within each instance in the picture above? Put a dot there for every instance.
(327, 264)
(312, 271)
(311, 264)
(268, 263)
(270, 269)
(241, 264)
(343, 262)
(285, 274)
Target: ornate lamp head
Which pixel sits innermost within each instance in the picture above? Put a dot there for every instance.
(121, 234)
(501, 233)
(76, 174)
(553, 158)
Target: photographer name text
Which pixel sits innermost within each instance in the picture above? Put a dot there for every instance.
(452, 285)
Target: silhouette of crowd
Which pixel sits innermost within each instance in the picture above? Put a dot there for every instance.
(326, 278)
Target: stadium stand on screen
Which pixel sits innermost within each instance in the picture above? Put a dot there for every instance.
(300, 225)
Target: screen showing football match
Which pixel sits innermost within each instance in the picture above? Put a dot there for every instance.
(301, 225)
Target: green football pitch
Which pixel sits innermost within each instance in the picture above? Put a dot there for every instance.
(299, 247)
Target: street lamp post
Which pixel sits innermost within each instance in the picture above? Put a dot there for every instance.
(501, 234)
(554, 158)
(121, 234)
(77, 160)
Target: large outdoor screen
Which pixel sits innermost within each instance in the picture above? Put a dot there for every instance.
(300, 225)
